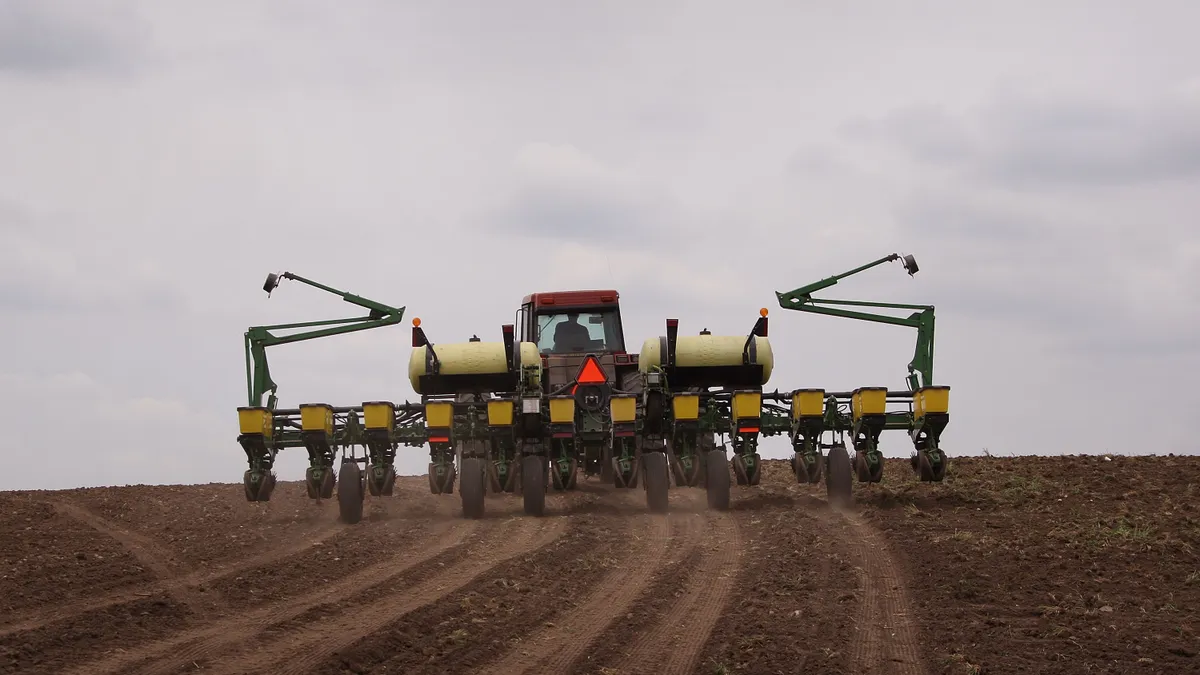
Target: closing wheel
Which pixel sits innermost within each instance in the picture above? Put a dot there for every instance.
(564, 478)
(573, 476)
(863, 469)
(533, 484)
(319, 482)
(939, 472)
(925, 468)
(657, 480)
(717, 479)
(258, 487)
(350, 493)
(470, 487)
(839, 479)
(381, 480)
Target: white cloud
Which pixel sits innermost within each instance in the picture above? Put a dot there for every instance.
(66, 429)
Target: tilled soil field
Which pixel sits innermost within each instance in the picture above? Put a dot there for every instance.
(1014, 565)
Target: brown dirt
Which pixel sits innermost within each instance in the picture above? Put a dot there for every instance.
(1040, 565)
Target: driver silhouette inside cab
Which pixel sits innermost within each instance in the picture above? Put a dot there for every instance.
(571, 336)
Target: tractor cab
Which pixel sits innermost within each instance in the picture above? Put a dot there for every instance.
(568, 326)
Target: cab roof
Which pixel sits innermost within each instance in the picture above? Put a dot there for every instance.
(585, 298)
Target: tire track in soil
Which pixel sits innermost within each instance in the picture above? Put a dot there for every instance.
(145, 550)
(314, 642)
(188, 583)
(680, 633)
(885, 638)
(223, 635)
(553, 649)
(824, 579)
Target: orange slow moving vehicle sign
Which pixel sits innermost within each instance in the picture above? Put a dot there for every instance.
(590, 373)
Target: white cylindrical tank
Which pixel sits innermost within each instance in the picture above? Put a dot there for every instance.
(470, 358)
(698, 351)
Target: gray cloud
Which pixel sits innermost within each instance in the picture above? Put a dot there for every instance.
(562, 193)
(44, 37)
(1052, 142)
(44, 269)
(427, 157)
(1055, 276)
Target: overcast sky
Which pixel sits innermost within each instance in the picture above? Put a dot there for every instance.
(158, 159)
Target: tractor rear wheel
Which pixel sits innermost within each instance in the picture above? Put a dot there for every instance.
(839, 479)
(716, 473)
(533, 484)
(350, 492)
(657, 480)
(471, 487)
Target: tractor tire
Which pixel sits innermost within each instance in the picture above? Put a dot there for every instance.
(717, 480)
(657, 480)
(350, 493)
(471, 487)
(533, 484)
(839, 478)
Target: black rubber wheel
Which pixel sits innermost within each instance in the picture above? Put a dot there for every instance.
(471, 487)
(839, 479)
(657, 480)
(533, 484)
(350, 493)
(717, 479)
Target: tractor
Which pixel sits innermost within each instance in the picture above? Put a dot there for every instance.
(559, 394)
(580, 338)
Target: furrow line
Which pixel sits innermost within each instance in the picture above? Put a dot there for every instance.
(706, 598)
(553, 649)
(886, 640)
(171, 586)
(313, 643)
(223, 635)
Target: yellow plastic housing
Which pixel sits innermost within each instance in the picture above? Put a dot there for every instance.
(868, 401)
(562, 410)
(685, 407)
(256, 421)
(747, 405)
(623, 409)
(500, 413)
(808, 403)
(379, 415)
(696, 351)
(471, 358)
(316, 417)
(439, 415)
(932, 399)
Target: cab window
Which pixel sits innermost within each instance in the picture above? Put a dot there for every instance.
(569, 332)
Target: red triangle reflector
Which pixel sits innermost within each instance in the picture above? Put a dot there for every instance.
(591, 373)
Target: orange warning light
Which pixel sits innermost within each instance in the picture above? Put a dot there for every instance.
(416, 322)
(762, 312)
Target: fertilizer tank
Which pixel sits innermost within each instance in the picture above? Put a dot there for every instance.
(470, 365)
(712, 360)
